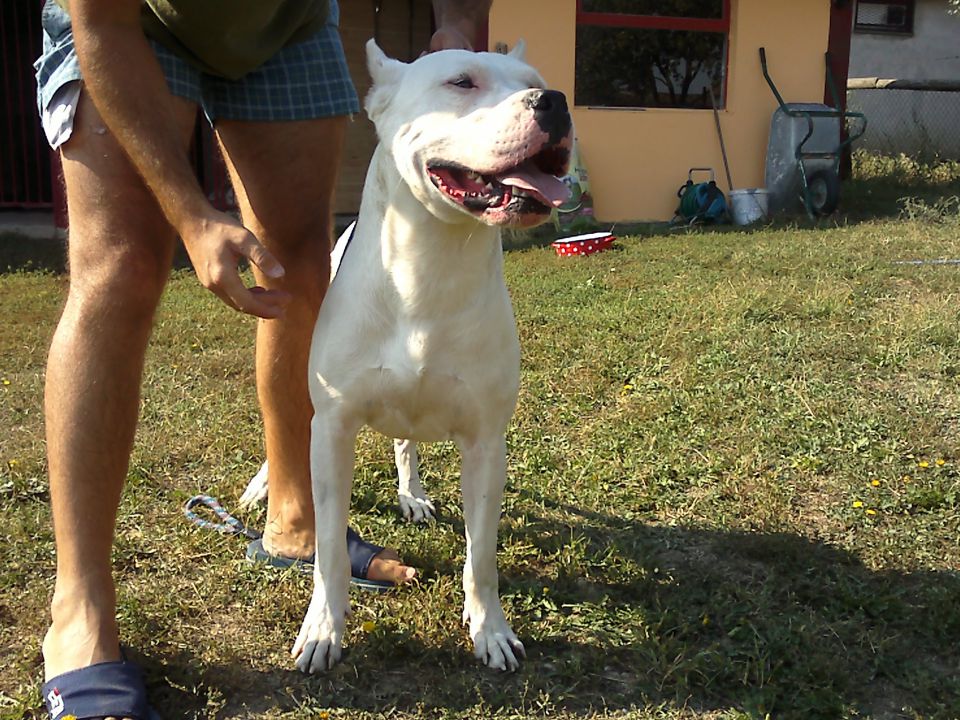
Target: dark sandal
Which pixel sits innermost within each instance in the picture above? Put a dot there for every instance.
(360, 551)
(107, 689)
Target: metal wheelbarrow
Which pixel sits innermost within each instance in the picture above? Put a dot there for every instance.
(805, 148)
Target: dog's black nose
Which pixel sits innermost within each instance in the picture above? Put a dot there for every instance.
(546, 101)
(551, 113)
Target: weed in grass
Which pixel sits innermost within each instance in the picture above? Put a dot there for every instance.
(945, 210)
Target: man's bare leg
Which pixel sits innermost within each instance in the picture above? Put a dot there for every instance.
(120, 254)
(284, 174)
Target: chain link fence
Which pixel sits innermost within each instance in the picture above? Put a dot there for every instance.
(920, 119)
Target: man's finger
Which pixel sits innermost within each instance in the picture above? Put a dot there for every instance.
(279, 298)
(261, 257)
(267, 304)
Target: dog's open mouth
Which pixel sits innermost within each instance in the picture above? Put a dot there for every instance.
(532, 187)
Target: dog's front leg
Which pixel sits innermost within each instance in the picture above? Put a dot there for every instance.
(318, 645)
(482, 479)
(415, 505)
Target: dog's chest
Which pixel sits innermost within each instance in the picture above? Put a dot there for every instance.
(426, 405)
(435, 386)
(416, 337)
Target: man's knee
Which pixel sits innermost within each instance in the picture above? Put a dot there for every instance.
(301, 235)
(302, 245)
(124, 280)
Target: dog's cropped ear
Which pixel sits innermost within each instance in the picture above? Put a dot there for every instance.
(519, 51)
(383, 70)
(385, 73)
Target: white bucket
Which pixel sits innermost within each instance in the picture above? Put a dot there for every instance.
(748, 205)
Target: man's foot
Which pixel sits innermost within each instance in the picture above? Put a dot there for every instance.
(385, 567)
(83, 632)
(107, 690)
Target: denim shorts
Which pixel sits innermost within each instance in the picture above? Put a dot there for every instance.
(303, 81)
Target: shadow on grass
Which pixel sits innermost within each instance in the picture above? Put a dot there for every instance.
(764, 623)
(18, 252)
(711, 621)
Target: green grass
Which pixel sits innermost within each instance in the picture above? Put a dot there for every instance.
(734, 491)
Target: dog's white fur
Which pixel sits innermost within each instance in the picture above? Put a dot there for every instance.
(416, 337)
(415, 505)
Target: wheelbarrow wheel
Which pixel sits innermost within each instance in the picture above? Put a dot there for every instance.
(823, 191)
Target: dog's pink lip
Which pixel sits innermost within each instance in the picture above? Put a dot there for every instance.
(471, 191)
(533, 182)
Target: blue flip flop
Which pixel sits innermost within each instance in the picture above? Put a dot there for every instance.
(360, 551)
(107, 689)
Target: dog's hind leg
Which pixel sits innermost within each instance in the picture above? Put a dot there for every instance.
(415, 504)
(318, 644)
(256, 489)
(482, 479)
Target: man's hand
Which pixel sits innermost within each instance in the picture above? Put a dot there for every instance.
(457, 23)
(216, 245)
(449, 38)
(128, 87)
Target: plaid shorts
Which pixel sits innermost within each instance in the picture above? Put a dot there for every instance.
(307, 80)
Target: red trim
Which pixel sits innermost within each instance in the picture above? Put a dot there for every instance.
(838, 47)
(481, 40)
(664, 22)
(653, 22)
(656, 22)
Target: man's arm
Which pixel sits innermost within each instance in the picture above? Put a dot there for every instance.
(128, 87)
(458, 22)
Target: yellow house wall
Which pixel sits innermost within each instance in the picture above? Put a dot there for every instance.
(637, 159)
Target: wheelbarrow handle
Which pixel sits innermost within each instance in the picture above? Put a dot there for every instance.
(766, 75)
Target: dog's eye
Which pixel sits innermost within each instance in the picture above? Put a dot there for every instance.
(464, 81)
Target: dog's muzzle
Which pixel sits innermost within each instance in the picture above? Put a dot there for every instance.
(522, 185)
(551, 113)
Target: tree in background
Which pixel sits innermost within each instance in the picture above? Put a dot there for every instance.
(629, 67)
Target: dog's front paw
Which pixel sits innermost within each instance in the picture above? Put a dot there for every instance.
(416, 509)
(319, 644)
(256, 490)
(494, 642)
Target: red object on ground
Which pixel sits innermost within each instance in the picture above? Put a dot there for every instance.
(583, 244)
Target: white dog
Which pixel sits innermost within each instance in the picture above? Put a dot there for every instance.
(416, 336)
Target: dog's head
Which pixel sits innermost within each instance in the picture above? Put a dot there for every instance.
(473, 134)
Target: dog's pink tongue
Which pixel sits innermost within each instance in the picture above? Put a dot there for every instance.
(529, 177)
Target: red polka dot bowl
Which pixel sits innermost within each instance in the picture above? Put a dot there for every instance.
(583, 244)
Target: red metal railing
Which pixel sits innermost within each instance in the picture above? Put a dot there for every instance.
(656, 22)
(30, 176)
(26, 179)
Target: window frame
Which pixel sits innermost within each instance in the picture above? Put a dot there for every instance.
(719, 25)
(909, 6)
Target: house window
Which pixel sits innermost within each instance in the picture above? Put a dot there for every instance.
(651, 53)
(891, 16)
